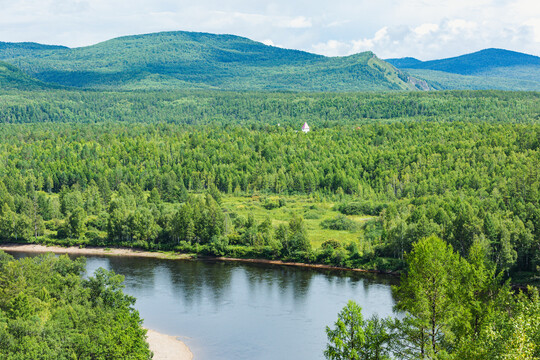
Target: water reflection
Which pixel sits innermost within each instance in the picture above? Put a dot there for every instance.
(228, 310)
(194, 281)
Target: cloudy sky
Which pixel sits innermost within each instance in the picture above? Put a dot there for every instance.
(425, 29)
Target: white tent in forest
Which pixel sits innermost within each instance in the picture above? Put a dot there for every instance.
(305, 128)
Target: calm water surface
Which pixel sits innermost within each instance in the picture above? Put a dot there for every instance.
(225, 310)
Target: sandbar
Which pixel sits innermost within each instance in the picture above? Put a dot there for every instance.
(76, 250)
(167, 347)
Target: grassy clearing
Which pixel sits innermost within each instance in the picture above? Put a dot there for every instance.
(314, 212)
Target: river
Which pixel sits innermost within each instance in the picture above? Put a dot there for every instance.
(228, 310)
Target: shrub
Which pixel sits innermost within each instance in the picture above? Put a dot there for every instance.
(312, 215)
(340, 222)
(270, 205)
(331, 243)
(361, 208)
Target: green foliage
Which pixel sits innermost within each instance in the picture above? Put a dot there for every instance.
(511, 334)
(340, 222)
(76, 223)
(348, 336)
(258, 110)
(361, 208)
(297, 239)
(509, 79)
(48, 311)
(13, 78)
(355, 338)
(429, 292)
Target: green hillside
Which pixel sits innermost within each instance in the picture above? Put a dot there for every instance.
(499, 80)
(12, 78)
(482, 62)
(486, 69)
(180, 60)
(406, 62)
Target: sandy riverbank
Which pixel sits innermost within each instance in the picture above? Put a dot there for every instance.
(166, 347)
(75, 250)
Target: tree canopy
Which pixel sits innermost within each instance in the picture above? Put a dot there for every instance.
(48, 311)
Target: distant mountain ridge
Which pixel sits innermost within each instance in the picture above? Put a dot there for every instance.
(193, 60)
(485, 69)
(406, 62)
(471, 64)
(190, 60)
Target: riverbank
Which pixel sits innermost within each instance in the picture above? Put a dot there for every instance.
(75, 250)
(167, 347)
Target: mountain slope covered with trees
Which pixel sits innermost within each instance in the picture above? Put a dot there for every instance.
(189, 60)
(11, 78)
(485, 69)
(479, 63)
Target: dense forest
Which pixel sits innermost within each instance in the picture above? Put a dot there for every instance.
(260, 109)
(160, 170)
(49, 311)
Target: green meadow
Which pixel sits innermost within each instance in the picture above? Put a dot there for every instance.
(313, 211)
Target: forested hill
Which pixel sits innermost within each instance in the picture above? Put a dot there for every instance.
(12, 78)
(480, 62)
(485, 69)
(189, 60)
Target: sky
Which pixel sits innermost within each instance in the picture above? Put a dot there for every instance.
(424, 29)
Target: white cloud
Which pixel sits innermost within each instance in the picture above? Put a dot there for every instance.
(332, 48)
(429, 40)
(268, 42)
(535, 25)
(297, 23)
(338, 23)
(459, 26)
(426, 29)
(367, 44)
(221, 18)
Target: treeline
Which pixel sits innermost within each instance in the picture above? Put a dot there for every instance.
(450, 307)
(261, 109)
(48, 311)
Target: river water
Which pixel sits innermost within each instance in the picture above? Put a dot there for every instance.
(228, 310)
